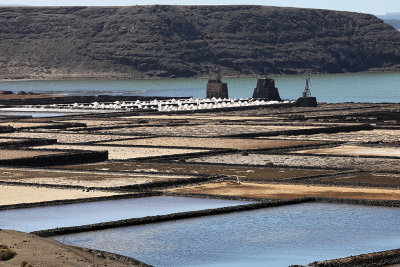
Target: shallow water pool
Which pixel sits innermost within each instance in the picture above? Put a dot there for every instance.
(41, 218)
(295, 234)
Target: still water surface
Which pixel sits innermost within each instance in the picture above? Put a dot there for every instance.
(296, 234)
(41, 218)
(332, 88)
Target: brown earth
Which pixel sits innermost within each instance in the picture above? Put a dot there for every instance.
(45, 252)
(240, 144)
(284, 191)
(80, 178)
(17, 154)
(248, 173)
(372, 179)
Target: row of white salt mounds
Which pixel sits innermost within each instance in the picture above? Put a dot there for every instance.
(165, 105)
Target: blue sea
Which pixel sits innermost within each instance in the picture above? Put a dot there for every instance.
(331, 88)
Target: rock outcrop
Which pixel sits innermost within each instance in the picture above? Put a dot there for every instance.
(189, 41)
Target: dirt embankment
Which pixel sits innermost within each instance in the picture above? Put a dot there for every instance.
(39, 251)
(383, 258)
(288, 191)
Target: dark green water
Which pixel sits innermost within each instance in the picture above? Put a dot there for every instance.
(332, 88)
(295, 234)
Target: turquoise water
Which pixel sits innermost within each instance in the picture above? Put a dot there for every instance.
(332, 88)
(295, 234)
(41, 218)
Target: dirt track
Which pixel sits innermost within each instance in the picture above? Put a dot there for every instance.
(283, 191)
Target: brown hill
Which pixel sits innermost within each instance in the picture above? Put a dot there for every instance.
(189, 41)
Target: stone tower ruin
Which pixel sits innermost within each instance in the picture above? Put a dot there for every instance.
(266, 89)
(216, 88)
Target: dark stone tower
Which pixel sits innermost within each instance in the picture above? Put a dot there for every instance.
(266, 89)
(216, 88)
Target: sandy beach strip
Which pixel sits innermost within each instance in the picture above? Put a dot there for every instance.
(10, 195)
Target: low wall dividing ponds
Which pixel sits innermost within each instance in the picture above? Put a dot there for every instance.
(96, 213)
(278, 236)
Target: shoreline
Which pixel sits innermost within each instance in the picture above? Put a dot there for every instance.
(124, 78)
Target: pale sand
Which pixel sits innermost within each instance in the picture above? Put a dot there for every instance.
(81, 178)
(17, 154)
(241, 144)
(5, 140)
(355, 151)
(283, 191)
(27, 194)
(25, 124)
(377, 135)
(47, 252)
(203, 130)
(127, 152)
(299, 160)
(65, 137)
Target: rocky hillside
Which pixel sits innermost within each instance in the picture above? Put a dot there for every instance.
(189, 41)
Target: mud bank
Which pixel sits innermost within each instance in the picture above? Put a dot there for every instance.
(383, 258)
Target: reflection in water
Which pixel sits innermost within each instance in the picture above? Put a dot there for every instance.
(41, 218)
(296, 234)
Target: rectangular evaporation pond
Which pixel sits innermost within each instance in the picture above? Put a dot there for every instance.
(41, 218)
(37, 114)
(281, 236)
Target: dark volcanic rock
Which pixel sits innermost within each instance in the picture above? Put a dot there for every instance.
(187, 41)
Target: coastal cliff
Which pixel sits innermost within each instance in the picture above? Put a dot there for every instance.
(190, 41)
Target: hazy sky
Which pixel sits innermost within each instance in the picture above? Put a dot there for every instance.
(366, 6)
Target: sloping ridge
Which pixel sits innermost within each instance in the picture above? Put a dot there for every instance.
(190, 41)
